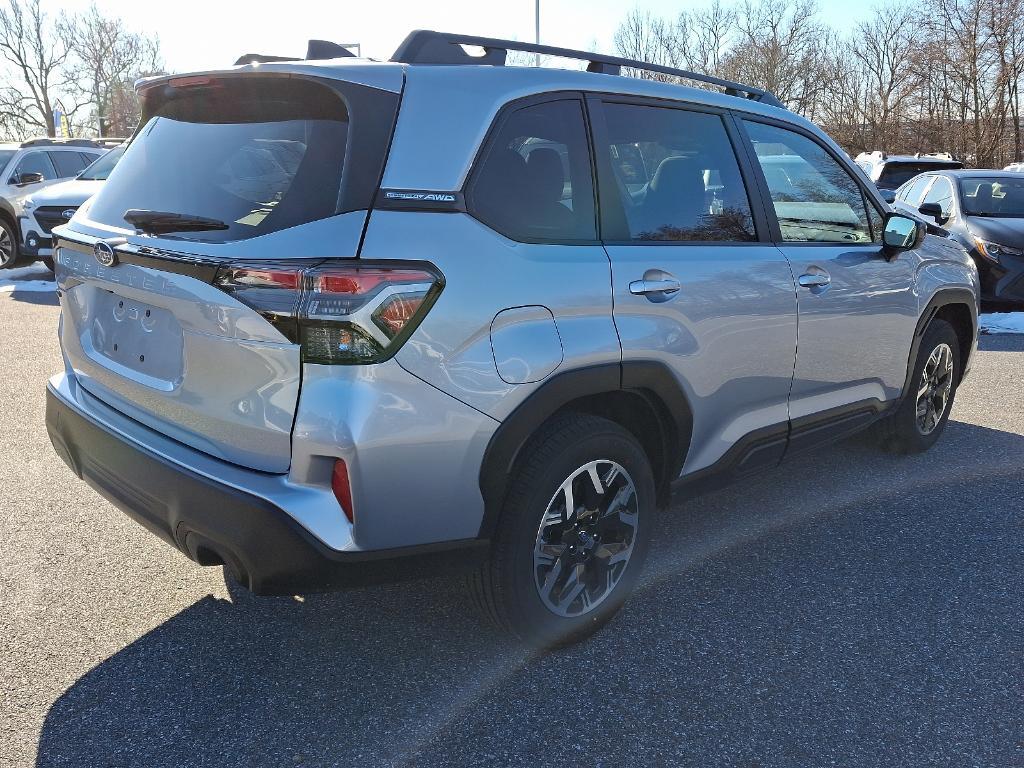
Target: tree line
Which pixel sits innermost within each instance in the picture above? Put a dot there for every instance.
(83, 65)
(936, 76)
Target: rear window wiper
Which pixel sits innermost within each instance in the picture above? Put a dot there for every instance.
(159, 222)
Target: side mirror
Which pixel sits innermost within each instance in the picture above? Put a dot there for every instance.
(24, 179)
(901, 233)
(932, 210)
(889, 195)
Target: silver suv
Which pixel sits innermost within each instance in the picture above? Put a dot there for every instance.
(337, 321)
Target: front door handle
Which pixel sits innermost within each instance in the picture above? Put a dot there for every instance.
(814, 280)
(664, 287)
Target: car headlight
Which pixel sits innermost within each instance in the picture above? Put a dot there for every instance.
(992, 251)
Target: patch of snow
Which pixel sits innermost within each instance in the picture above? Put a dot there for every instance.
(34, 277)
(1002, 322)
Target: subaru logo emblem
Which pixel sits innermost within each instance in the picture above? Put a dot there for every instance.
(104, 253)
(67, 214)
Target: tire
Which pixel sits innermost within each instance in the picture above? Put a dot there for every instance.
(906, 430)
(47, 262)
(8, 245)
(539, 559)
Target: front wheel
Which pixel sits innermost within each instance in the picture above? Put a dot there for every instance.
(8, 245)
(573, 534)
(916, 425)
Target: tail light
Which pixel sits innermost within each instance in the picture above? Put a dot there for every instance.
(342, 488)
(347, 314)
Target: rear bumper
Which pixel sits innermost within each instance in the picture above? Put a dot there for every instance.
(212, 522)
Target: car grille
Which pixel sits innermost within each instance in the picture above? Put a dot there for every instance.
(50, 216)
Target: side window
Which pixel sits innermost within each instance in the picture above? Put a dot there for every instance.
(815, 198)
(941, 193)
(67, 163)
(677, 175)
(534, 181)
(914, 190)
(37, 162)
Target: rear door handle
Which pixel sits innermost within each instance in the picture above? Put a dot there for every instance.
(665, 287)
(814, 280)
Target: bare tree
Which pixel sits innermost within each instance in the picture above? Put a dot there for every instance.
(108, 58)
(36, 49)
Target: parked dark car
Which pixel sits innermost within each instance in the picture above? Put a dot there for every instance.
(984, 212)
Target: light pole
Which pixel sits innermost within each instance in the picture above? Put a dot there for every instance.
(536, 19)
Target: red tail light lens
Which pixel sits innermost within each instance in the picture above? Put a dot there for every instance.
(341, 314)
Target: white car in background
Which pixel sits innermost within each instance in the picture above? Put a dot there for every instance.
(53, 206)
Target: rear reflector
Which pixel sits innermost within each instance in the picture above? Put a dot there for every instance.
(342, 489)
(341, 314)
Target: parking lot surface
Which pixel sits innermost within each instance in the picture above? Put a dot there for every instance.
(850, 608)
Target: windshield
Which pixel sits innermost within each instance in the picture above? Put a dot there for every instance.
(5, 157)
(100, 169)
(258, 154)
(897, 174)
(1000, 196)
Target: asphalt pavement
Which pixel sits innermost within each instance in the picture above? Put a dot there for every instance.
(851, 608)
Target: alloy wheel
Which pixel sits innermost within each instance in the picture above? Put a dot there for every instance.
(6, 247)
(586, 538)
(934, 389)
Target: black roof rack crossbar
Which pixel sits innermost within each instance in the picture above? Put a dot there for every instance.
(424, 46)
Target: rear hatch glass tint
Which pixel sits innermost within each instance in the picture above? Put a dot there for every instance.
(897, 174)
(254, 154)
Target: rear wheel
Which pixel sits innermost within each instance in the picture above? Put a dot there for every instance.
(8, 245)
(573, 534)
(921, 417)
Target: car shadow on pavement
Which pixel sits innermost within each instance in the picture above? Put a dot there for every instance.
(848, 607)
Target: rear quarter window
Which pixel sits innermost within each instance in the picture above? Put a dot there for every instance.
(533, 181)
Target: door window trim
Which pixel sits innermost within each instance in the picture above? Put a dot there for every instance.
(480, 156)
(611, 214)
(869, 197)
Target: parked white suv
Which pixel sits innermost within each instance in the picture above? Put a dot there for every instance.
(28, 167)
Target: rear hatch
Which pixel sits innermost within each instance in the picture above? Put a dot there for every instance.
(232, 182)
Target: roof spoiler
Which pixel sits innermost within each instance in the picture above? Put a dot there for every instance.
(316, 50)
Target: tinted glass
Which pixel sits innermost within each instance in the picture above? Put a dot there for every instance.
(912, 193)
(895, 174)
(68, 164)
(997, 197)
(535, 180)
(37, 162)
(5, 157)
(941, 192)
(815, 198)
(258, 154)
(677, 175)
(100, 170)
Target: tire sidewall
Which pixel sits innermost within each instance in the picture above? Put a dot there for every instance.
(939, 332)
(14, 245)
(540, 625)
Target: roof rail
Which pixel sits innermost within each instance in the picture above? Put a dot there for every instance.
(427, 47)
(45, 141)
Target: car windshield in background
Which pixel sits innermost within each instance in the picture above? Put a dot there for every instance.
(258, 154)
(1001, 196)
(5, 157)
(897, 174)
(100, 169)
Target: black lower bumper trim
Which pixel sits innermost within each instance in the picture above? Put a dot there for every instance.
(266, 549)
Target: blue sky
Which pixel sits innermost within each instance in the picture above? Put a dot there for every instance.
(208, 34)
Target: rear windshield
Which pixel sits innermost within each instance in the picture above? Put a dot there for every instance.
(897, 174)
(258, 154)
